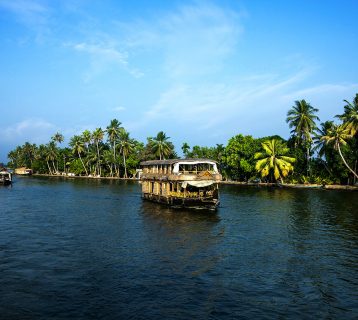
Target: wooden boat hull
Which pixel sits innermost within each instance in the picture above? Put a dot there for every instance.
(187, 203)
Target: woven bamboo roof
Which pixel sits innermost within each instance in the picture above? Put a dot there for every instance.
(172, 161)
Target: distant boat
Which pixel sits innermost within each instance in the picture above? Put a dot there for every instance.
(5, 177)
(186, 183)
(23, 171)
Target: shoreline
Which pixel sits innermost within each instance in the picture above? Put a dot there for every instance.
(238, 183)
(294, 186)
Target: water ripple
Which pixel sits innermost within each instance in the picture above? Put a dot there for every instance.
(89, 249)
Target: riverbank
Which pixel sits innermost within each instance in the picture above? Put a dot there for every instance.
(239, 183)
(294, 186)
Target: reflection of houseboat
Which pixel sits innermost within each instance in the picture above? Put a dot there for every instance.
(189, 183)
(5, 177)
(23, 171)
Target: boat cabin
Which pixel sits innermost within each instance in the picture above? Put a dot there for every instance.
(5, 177)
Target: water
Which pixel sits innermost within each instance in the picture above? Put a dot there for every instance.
(89, 249)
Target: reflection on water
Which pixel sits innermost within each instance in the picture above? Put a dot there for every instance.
(90, 249)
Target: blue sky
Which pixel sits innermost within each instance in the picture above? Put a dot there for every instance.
(201, 71)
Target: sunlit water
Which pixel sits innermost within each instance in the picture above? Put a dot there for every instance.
(90, 249)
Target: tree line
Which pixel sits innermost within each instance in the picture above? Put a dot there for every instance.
(326, 153)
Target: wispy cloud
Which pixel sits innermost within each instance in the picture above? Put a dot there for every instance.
(197, 39)
(104, 54)
(193, 40)
(247, 106)
(33, 14)
(118, 109)
(32, 129)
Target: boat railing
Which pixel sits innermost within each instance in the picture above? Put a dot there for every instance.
(196, 171)
(194, 194)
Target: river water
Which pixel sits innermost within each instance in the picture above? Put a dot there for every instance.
(91, 249)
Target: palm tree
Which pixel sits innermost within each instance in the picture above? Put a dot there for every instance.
(186, 148)
(51, 155)
(350, 115)
(108, 159)
(58, 137)
(97, 137)
(274, 160)
(338, 135)
(28, 153)
(320, 145)
(219, 151)
(126, 146)
(301, 118)
(161, 146)
(77, 146)
(86, 138)
(113, 131)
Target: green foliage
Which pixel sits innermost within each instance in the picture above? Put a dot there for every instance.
(76, 167)
(330, 152)
(238, 158)
(273, 162)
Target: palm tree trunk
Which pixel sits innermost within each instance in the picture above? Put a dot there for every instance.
(79, 155)
(54, 167)
(98, 165)
(326, 167)
(308, 161)
(49, 168)
(114, 155)
(344, 161)
(125, 166)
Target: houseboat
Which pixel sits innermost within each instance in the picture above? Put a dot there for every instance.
(23, 171)
(5, 177)
(186, 183)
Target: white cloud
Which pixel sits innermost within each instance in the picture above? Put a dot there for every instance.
(33, 130)
(193, 40)
(104, 54)
(32, 14)
(118, 109)
(197, 39)
(256, 106)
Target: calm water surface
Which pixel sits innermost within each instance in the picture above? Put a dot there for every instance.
(88, 249)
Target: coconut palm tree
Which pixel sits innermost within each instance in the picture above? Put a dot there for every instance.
(58, 137)
(337, 136)
(108, 159)
(86, 138)
(97, 137)
(51, 155)
(320, 145)
(186, 148)
(126, 147)
(113, 131)
(274, 160)
(301, 118)
(160, 145)
(350, 115)
(28, 153)
(77, 145)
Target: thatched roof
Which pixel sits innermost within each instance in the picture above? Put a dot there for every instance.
(172, 161)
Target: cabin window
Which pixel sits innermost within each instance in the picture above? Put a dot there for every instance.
(195, 168)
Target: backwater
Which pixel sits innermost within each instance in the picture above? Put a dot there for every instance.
(93, 249)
